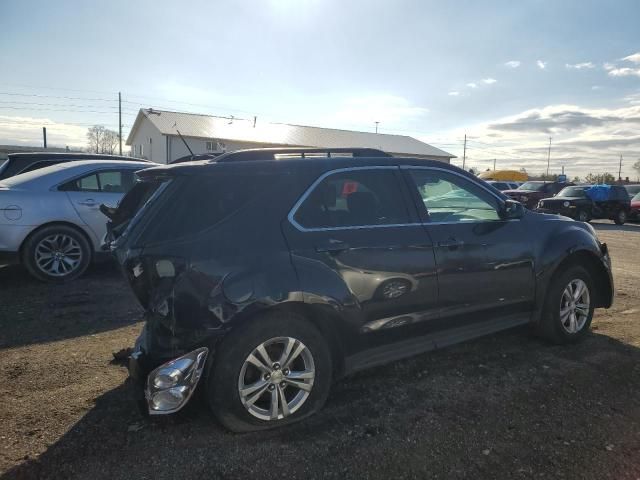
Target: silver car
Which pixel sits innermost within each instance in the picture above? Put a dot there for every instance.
(50, 219)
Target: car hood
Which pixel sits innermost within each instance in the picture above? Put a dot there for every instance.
(564, 198)
(518, 192)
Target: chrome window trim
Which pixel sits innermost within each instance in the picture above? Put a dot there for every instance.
(308, 191)
(488, 190)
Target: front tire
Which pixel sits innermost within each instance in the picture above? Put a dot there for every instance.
(56, 254)
(568, 308)
(272, 371)
(620, 218)
(583, 216)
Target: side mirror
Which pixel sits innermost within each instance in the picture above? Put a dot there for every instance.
(511, 210)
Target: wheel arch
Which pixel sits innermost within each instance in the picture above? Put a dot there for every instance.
(592, 263)
(39, 228)
(329, 324)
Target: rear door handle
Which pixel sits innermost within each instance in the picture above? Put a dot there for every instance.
(333, 246)
(451, 243)
(89, 202)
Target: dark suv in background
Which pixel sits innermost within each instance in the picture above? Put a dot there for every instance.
(574, 202)
(267, 274)
(530, 193)
(17, 163)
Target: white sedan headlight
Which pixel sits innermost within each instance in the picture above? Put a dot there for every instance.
(566, 204)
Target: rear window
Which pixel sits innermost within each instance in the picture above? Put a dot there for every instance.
(198, 203)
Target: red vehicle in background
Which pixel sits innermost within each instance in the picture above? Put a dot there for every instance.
(634, 214)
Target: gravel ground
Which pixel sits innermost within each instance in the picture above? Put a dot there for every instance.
(505, 406)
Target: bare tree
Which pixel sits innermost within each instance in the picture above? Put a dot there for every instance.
(636, 166)
(102, 140)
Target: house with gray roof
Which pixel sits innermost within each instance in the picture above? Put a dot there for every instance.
(154, 136)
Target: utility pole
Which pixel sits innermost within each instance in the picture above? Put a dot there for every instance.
(464, 152)
(377, 126)
(44, 136)
(549, 158)
(620, 169)
(494, 164)
(120, 120)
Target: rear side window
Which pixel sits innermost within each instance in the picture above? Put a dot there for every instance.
(106, 181)
(198, 203)
(354, 198)
(38, 165)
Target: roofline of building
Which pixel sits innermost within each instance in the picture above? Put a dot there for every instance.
(142, 113)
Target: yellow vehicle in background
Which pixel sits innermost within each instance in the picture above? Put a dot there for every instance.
(504, 175)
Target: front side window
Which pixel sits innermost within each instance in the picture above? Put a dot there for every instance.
(451, 199)
(354, 198)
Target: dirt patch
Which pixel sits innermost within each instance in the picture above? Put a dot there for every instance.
(505, 406)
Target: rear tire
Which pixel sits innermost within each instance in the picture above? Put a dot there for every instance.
(56, 254)
(232, 371)
(620, 218)
(567, 315)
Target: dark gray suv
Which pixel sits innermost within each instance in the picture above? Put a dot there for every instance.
(267, 274)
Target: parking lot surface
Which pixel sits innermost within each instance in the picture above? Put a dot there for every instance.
(505, 406)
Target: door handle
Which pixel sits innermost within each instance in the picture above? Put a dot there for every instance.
(451, 243)
(333, 246)
(89, 202)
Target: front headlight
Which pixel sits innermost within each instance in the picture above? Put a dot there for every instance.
(170, 386)
(540, 204)
(566, 204)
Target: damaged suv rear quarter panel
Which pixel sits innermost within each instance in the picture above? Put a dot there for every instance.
(227, 276)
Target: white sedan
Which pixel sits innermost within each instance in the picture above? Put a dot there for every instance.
(50, 219)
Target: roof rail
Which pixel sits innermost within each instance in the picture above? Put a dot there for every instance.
(273, 153)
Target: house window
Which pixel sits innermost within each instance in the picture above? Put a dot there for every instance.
(211, 146)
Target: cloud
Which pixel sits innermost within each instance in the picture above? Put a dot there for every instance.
(390, 110)
(489, 80)
(541, 65)
(635, 58)
(512, 64)
(472, 85)
(565, 118)
(585, 140)
(608, 66)
(22, 130)
(624, 72)
(579, 66)
(453, 94)
(596, 87)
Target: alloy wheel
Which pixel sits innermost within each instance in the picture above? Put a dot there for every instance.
(276, 378)
(574, 306)
(58, 255)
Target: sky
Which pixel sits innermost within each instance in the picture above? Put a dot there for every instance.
(508, 74)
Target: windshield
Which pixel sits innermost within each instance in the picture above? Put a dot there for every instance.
(535, 186)
(573, 192)
(636, 198)
(632, 189)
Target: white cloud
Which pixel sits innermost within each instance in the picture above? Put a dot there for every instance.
(624, 72)
(585, 140)
(489, 81)
(579, 66)
(596, 87)
(608, 66)
(512, 63)
(453, 94)
(28, 131)
(472, 85)
(541, 65)
(635, 58)
(389, 110)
